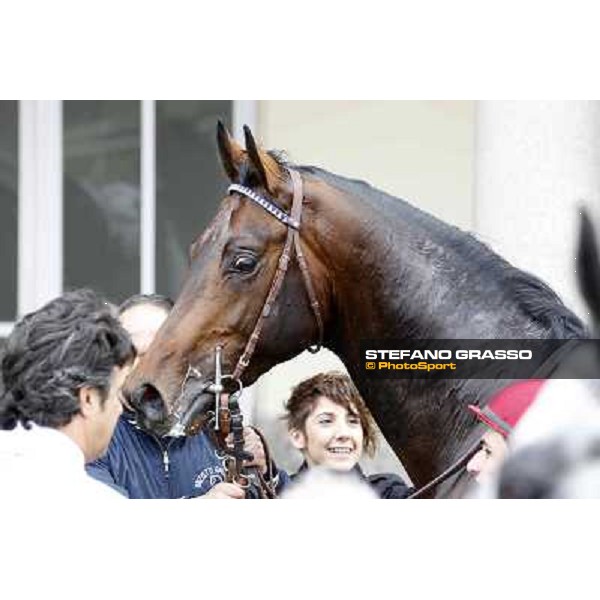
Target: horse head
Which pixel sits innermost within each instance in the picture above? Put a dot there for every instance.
(232, 267)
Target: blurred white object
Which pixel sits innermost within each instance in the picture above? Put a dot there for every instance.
(555, 449)
(561, 404)
(583, 482)
(557, 434)
(321, 484)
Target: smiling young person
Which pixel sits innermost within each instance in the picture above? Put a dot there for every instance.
(331, 426)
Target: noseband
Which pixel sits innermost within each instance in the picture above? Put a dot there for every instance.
(292, 222)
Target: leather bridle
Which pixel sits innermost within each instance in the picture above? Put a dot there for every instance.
(227, 417)
(292, 222)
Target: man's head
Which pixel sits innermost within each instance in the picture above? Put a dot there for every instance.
(501, 415)
(329, 422)
(142, 316)
(63, 368)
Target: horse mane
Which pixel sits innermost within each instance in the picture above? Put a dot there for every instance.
(274, 163)
(544, 305)
(531, 294)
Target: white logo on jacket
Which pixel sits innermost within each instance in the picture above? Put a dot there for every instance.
(209, 477)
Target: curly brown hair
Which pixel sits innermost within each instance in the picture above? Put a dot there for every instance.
(72, 342)
(338, 387)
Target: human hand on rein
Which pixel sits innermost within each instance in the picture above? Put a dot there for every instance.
(253, 445)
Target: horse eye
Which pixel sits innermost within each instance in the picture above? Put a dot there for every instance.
(244, 264)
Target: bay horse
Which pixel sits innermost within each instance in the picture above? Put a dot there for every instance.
(375, 266)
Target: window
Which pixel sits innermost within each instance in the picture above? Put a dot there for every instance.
(9, 207)
(105, 194)
(101, 196)
(189, 181)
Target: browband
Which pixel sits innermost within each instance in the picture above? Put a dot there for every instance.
(269, 206)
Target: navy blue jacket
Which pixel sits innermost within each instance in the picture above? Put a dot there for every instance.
(140, 465)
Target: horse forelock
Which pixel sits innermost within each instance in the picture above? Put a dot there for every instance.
(221, 221)
(275, 167)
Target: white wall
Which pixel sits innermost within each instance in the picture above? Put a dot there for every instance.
(421, 151)
(536, 163)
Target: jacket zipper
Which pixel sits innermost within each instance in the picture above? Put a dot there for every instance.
(166, 463)
(165, 455)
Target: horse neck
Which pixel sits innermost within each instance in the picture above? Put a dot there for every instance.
(391, 274)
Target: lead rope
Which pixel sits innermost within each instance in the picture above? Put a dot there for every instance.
(454, 468)
(228, 419)
(232, 421)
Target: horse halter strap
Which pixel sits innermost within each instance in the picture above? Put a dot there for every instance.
(292, 222)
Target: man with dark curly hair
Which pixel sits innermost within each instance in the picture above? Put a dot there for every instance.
(63, 369)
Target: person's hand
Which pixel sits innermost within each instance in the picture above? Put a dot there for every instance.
(253, 445)
(224, 491)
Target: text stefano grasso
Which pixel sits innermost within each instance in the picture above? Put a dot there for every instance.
(460, 354)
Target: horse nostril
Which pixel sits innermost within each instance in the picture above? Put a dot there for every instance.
(147, 400)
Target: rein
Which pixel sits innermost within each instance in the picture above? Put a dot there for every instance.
(456, 467)
(228, 419)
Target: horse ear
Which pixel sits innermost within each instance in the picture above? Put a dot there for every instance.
(266, 167)
(588, 265)
(231, 153)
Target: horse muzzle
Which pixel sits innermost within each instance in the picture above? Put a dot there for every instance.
(199, 401)
(150, 408)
